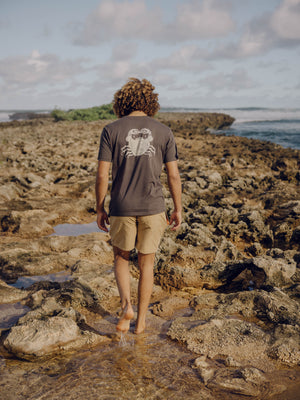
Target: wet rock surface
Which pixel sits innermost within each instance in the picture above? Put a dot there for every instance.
(227, 284)
(49, 329)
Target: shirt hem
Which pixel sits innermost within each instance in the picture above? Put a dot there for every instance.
(136, 213)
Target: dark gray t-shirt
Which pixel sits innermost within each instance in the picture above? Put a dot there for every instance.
(137, 146)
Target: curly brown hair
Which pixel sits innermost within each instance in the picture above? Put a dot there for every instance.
(136, 95)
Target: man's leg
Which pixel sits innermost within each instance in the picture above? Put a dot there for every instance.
(146, 262)
(122, 274)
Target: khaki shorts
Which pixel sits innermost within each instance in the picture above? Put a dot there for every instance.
(143, 233)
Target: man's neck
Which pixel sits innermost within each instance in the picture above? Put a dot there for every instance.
(137, 114)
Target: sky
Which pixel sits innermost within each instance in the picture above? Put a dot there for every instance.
(198, 54)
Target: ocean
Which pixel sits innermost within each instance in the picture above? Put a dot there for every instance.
(278, 125)
(281, 126)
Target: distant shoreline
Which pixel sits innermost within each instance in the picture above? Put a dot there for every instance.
(255, 113)
(278, 125)
(26, 115)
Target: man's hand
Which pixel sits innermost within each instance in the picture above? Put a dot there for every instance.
(102, 220)
(175, 219)
(101, 189)
(175, 189)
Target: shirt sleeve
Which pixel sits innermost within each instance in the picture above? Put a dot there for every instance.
(171, 149)
(105, 148)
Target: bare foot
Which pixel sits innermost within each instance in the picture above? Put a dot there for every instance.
(139, 328)
(124, 321)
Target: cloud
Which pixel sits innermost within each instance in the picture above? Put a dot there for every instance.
(235, 81)
(66, 82)
(186, 58)
(121, 65)
(38, 69)
(45, 81)
(48, 98)
(256, 39)
(286, 20)
(207, 19)
(41, 80)
(134, 20)
(124, 20)
(278, 29)
(124, 51)
(116, 72)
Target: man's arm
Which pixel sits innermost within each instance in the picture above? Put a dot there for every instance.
(101, 190)
(174, 184)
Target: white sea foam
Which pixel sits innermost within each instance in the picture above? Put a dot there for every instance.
(4, 116)
(279, 125)
(268, 114)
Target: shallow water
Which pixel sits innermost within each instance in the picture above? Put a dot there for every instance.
(10, 313)
(24, 282)
(75, 229)
(148, 367)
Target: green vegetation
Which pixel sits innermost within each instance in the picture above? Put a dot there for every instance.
(85, 114)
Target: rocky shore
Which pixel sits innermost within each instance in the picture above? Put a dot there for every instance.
(27, 115)
(227, 285)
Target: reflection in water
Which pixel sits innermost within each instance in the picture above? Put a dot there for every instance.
(75, 229)
(25, 281)
(10, 313)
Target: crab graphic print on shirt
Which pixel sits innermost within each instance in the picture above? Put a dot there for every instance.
(138, 143)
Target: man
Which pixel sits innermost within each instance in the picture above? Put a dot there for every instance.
(137, 146)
